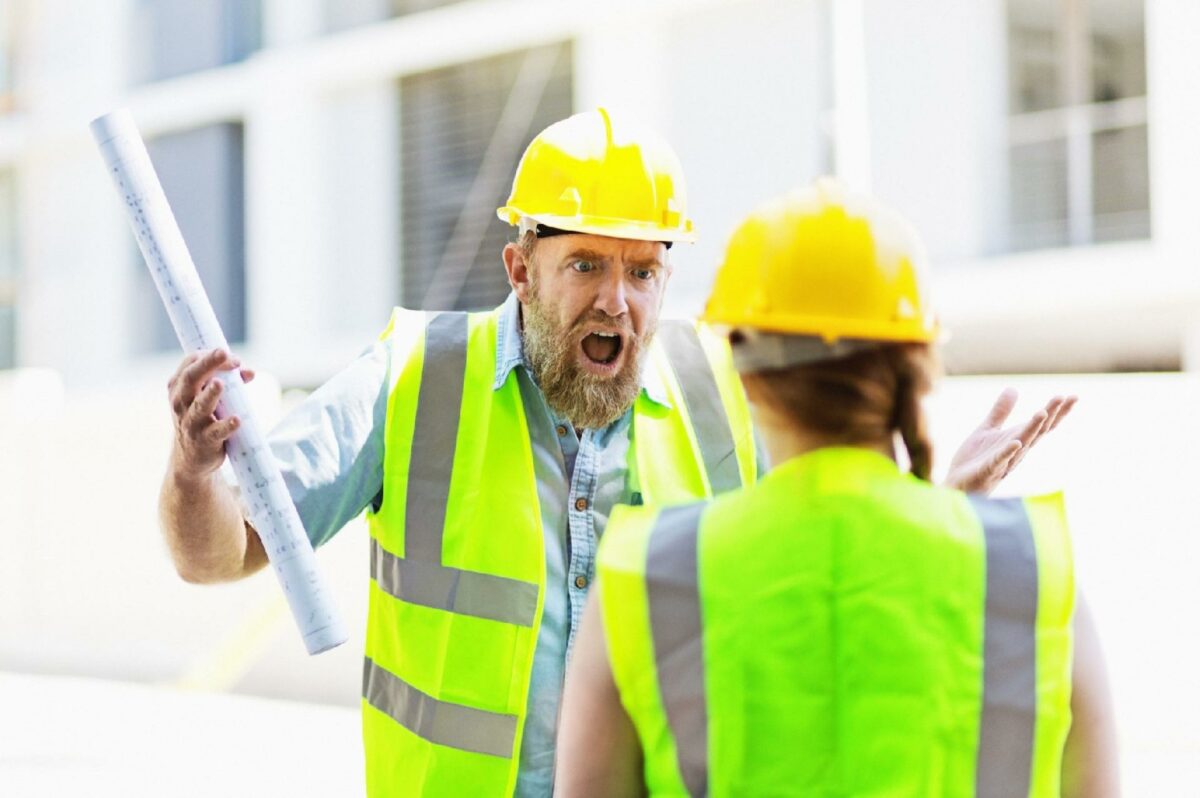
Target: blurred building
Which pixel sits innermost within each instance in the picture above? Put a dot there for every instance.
(330, 158)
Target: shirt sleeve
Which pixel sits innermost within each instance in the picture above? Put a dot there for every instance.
(330, 446)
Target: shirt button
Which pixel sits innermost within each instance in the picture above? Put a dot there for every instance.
(581, 582)
(561, 430)
(581, 503)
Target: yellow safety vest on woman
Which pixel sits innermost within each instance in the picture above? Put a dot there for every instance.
(843, 629)
(457, 563)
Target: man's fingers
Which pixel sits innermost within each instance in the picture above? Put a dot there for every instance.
(200, 414)
(188, 360)
(1000, 411)
(193, 378)
(175, 387)
(206, 402)
(220, 431)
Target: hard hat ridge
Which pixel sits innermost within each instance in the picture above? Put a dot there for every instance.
(601, 175)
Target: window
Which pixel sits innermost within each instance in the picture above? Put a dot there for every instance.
(1078, 152)
(8, 271)
(463, 131)
(175, 37)
(201, 173)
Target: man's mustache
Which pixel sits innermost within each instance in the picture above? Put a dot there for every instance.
(593, 317)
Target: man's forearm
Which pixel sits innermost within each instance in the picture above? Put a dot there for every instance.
(202, 522)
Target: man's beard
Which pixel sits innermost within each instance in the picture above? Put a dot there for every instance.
(585, 399)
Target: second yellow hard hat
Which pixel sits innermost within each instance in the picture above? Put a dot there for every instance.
(827, 263)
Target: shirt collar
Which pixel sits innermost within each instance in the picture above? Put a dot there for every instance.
(510, 354)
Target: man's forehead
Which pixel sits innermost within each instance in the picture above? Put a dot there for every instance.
(594, 246)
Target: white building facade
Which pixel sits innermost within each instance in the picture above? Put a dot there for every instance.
(328, 160)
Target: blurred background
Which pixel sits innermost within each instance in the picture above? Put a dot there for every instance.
(328, 159)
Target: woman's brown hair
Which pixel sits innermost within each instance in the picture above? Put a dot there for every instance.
(859, 399)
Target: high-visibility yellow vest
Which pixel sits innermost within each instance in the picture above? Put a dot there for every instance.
(457, 562)
(843, 629)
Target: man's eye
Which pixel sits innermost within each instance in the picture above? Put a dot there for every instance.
(583, 266)
(644, 274)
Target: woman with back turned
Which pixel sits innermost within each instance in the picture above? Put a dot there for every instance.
(841, 628)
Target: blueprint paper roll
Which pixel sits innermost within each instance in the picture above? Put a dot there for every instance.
(267, 500)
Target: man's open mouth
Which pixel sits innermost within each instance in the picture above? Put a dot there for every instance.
(602, 347)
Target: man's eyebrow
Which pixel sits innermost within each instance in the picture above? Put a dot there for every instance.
(644, 263)
(585, 254)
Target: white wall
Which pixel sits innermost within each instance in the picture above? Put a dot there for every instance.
(748, 93)
(69, 736)
(1126, 460)
(86, 585)
(937, 107)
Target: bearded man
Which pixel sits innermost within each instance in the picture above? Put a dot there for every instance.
(488, 450)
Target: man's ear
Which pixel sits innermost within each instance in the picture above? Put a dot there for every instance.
(517, 269)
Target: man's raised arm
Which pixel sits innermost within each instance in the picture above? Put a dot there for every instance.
(201, 517)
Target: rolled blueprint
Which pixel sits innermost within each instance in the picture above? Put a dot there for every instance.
(266, 496)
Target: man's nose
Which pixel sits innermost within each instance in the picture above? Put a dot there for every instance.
(611, 299)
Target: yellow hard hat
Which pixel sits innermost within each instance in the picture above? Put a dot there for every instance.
(592, 174)
(826, 263)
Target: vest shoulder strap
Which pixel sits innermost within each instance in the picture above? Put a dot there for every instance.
(710, 425)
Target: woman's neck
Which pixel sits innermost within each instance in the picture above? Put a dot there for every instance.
(784, 439)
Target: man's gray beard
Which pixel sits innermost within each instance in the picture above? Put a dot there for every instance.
(585, 399)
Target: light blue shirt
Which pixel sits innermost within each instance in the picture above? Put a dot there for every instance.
(330, 449)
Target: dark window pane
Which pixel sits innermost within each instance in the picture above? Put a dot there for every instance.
(450, 119)
(1118, 50)
(175, 37)
(201, 173)
(1034, 53)
(1121, 185)
(1038, 195)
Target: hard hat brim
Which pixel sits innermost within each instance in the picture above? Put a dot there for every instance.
(601, 226)
(832, 329)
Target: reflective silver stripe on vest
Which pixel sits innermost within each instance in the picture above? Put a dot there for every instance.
(673, 594)
(440, 722)
(1004, 765)
(439, 404)
(704, 407)
(441, 587)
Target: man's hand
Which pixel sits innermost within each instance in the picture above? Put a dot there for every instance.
(200, 515)
(991, 452)
(199, 436)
